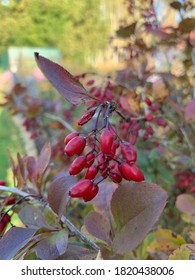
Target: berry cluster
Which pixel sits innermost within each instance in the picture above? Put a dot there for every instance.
(107, 154)
(185, 181)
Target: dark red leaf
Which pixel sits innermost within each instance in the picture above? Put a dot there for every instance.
(44, 158)
(58, 196)
(70, 88)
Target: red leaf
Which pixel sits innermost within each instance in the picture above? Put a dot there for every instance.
(70, 88)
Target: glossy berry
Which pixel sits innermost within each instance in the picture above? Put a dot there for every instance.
(128, 152)
(86, 117)
(91, 194)
(75, 146)
(115, 176)
(106, 141)
(77, 165)
(9, 200)
(70, 136)
(149, 117)
(150, 130)
(81, 188)
(90, 159)
(101, 161)
(131, 172)
(91, 172)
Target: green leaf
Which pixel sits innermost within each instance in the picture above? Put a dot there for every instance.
(14, 240)
(135, 209)
(127, 31)
(183, 252)
(50, 248)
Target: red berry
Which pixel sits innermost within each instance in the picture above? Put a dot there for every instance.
(133, 139)
(131, 172)
(77, 165)
(101, 161)
(81, 188)
(90, 159)
(192, 189)
(161, 122)
(115, 176)
(148, 101)
(70, 136)
(91, 194)
(90, 82)
(150, 130)
(9, 200)
(86, 117)
(75, 146)
(91, 172)
(149, 117)
(2, 183)
(128, 152)
(154, 108)
(106, 141)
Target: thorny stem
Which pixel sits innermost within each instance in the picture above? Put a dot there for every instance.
(69, 225)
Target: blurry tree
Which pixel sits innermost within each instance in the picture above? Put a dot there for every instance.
(75, 27)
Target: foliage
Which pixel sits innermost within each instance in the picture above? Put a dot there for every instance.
(137, 124)
(54, 24)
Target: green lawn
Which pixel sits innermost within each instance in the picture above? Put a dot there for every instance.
(9, 139)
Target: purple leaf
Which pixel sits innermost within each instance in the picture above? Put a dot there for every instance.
(135, 209)
(58, 196)
(97, 225)
(33, 217)
(70, 88)
(50, 248)
(14, 240)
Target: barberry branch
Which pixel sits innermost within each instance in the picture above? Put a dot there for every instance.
(69, 225)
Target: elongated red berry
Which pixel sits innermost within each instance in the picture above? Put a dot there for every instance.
(115, 176)
(101, 161)
(81, 188)
(128, 152)
(150, 130)
(90, 159)
(75, 146)
(149, 117)
(106, 141)
(91, 172)
(77, 165)
(70, 136)
(161, 122)
(86, 117)
(131, 172)
(91, 194)
(148, 101)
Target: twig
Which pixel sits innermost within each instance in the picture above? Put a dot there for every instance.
(70, 226)
(64, 123)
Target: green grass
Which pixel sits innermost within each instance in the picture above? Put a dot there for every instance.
(9, 139)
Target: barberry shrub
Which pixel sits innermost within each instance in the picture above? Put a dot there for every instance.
(102, 171)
